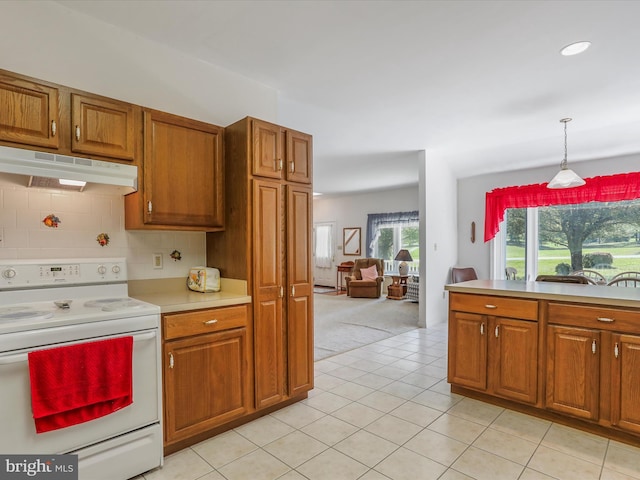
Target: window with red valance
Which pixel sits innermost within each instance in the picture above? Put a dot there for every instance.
(609, 188)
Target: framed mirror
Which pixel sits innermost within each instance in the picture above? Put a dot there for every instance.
(351, 241)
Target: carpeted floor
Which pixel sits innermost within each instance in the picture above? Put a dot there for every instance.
(343, 323)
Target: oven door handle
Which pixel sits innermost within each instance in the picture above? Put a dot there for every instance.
(9, 359)
(23, 357)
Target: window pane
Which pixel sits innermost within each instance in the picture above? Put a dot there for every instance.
(411, 241)
(516, 239)
(323, 252)
(384, 246)
(600, 237)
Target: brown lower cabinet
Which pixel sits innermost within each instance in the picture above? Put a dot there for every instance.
(206, 370)
(494, 354)
(625, 383)
(590, 369)
(573, 371)
(587, 359)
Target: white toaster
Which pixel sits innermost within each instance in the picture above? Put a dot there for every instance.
(204, 279)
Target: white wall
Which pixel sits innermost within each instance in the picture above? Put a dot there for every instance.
(471, 200)
(50, 42)
(438, 202)
(54, 43)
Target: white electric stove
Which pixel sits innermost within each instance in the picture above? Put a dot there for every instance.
(52, 303)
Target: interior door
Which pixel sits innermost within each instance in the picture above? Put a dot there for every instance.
(324, 247)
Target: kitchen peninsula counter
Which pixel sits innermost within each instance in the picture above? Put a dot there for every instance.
(172, 294)
(564, 352)
(568, 292)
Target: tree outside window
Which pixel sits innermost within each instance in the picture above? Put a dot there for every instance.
(599, 236)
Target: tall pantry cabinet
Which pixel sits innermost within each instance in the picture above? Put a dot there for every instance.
(268, 243)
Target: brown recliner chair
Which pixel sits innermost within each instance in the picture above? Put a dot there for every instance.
(359, 288)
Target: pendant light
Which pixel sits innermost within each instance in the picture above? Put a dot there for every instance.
(565, 178)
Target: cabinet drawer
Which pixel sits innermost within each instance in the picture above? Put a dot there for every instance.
(496, 306)
(603, 318)
(178, 325)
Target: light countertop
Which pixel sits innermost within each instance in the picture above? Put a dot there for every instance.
(172, 294)
(569, 292)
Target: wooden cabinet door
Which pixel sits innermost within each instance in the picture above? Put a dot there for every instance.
(299, 157)
(205, 380)
(468, 350)
(513, 356)
(625, 384)
(300, 289)
(101, 126)
(29, 112)
(267, 149)
(268, 290)
(183, 175)
(573, 371)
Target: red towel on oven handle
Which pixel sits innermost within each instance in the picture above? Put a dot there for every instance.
(79, 383)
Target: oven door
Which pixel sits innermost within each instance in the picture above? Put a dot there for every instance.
(18, 428)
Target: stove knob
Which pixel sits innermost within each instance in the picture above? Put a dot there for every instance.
(102, 270)
(115, 269)
(9, 273)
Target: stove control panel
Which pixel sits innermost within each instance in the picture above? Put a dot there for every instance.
(38, 273)
(60, 271)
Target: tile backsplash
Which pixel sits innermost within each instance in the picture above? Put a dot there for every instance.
(83, 216)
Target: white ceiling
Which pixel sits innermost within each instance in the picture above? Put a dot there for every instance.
(479, 85)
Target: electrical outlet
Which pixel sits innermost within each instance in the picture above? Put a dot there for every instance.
(157, 260)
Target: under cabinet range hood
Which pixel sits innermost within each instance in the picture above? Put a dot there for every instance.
(42, 167)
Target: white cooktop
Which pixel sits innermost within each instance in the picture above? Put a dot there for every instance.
(40, 294)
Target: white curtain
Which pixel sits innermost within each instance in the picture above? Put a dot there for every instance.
(324, 255)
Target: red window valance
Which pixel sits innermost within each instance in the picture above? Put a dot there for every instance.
(609, 188)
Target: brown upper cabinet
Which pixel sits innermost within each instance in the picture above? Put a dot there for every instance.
(281, 153)
(41, 114)
(183, 176)
(103, 127)
(29, 112)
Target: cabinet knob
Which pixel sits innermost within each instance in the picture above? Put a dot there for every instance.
(149, 206)
(281, 291)
(78, 132)
(488, 305)
(170, 359)
(496, 331)
(279, 164)
(482, 328)
(54, 128)
(593, 346)
(211, 322)
(292, 167)
(616, 350)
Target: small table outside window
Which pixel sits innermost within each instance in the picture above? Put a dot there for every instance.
(342, 269)
(398, 288)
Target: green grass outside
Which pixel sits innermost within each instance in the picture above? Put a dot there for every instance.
(548, 258)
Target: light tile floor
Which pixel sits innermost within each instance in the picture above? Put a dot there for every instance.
(384, 411)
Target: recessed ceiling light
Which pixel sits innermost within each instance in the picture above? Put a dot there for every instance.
(575, 48)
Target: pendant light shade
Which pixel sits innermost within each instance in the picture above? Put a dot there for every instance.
(565, 178)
